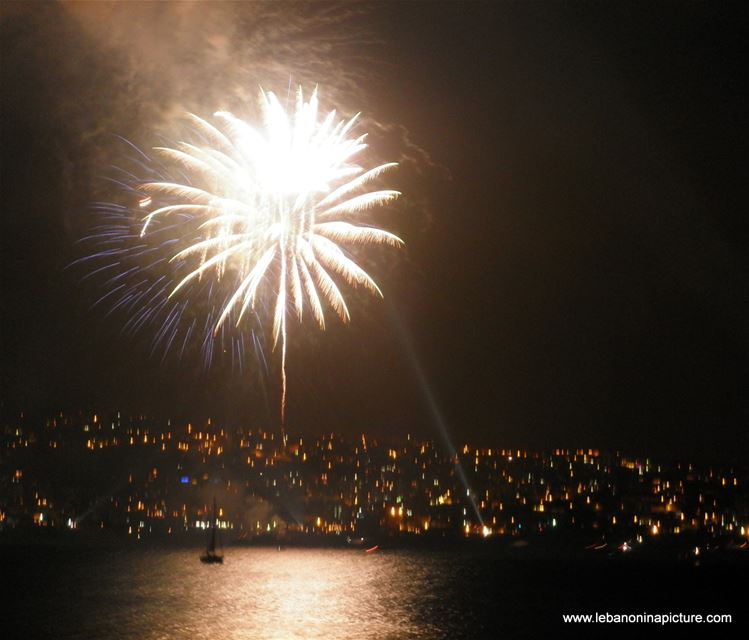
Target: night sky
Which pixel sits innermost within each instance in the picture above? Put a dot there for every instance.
(575, 187)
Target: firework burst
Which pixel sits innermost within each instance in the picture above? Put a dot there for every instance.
(275, 204)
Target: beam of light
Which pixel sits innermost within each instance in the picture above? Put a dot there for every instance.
(434, 411)
(275, 204)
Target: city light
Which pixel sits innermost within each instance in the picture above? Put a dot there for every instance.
(405, 489)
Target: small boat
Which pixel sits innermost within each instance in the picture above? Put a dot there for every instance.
(210, 556)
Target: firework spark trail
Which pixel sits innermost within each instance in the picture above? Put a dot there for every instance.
(275, 205)
(138, 276)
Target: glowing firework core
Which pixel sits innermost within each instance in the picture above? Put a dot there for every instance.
(275, 206)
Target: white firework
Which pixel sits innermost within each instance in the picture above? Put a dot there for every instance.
(276, 203)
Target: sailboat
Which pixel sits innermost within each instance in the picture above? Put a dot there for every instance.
(210, 556)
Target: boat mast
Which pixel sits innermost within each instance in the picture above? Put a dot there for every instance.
(212, 543)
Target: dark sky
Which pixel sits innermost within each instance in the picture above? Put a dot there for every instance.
(575, 187)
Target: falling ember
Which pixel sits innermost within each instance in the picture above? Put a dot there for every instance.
(276, 204)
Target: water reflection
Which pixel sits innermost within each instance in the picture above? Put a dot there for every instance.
(79, 593)
(265, 593)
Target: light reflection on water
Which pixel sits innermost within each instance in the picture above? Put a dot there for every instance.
(288, 594)
(256, 594)
(502, 593)
(78, 593)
